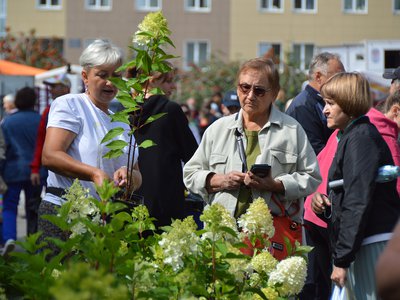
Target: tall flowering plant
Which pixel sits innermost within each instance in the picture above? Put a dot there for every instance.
(124, 258)
(149, 42)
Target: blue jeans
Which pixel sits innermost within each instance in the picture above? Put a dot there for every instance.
(10, 208)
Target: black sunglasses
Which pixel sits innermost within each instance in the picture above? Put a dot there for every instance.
(258, 91)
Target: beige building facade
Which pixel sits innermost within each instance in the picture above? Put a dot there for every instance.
(230, 29)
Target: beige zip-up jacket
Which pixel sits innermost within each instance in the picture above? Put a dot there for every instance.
(284, 146)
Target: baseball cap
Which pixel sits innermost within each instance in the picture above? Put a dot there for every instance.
(231, 99)
(58, 79)
(392, 74)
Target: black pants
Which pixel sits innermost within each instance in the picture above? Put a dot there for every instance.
(318, 284)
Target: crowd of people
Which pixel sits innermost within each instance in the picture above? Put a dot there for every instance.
(330, 132)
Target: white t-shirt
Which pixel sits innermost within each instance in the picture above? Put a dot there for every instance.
(77, 113)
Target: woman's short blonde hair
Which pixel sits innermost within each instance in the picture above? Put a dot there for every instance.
(350, 91)
(266, 66)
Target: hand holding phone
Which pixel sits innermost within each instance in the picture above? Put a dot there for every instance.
(261, 170)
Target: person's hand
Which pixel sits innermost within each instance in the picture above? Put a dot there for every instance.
(219, 182)
(35, 178)
(120, 177)
(319, 203)
(266, 183)
(232, 180)
(98, 176)
(338, 276)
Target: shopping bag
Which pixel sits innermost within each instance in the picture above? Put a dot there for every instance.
(341, 293)
(287, 232)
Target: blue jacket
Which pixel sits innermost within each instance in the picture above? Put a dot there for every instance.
(20, 131)
(307, 108)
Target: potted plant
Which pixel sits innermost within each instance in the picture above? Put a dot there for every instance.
(114, 260)
(149, 42)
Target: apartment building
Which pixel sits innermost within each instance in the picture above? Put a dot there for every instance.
(230, 29)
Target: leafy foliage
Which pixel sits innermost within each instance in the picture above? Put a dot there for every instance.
(148, 43)
(29, 50)
(122, 257)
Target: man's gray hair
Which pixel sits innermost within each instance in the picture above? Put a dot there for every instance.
(320, 63)
(100, 53)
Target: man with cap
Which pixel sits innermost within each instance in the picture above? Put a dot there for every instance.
(58, 85)
(230, 103)
(395, 77)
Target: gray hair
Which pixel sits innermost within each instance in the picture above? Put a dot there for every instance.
(100, 53)
(320, 63)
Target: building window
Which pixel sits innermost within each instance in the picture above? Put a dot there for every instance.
(271, 5)
(48, 4)
(302, 55)
(98, 4)
(396, 6)
(305, 6)
(196, 53)
(148, 5)
(355, 6)
(198, 5)
(3, 16)
(273, 50)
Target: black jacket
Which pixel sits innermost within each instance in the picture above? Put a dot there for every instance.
(161, 165)
(307, 108)
(362, 207)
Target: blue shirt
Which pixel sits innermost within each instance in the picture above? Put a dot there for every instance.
(20, 131)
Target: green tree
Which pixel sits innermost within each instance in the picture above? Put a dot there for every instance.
(27, 49)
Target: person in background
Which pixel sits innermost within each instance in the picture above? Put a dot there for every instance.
(20, 131)
(306, 108)
(394, 76)
(3, 185)
(361, 212)
(76, 125)
(218, 173)
(9, 104)
(192, 123)
(387, 269)
(391, 109)
(161, 165)
(280, 101)
(230, 103)
(59, 85)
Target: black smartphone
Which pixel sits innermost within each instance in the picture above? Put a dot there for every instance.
(261, 170)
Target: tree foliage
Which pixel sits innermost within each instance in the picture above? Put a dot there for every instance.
(217, 75)
(27, 49)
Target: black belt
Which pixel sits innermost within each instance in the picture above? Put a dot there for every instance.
(59, 192)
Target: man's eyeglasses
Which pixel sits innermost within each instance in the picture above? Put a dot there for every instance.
(258, 91)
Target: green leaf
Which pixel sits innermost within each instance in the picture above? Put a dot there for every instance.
(119, 83)
(112, 134)
(221, 246)
(126, 100)
(117, 144)
(146, 144)
(120, 116)
(127, 65)
(113, 154)
(153, 118)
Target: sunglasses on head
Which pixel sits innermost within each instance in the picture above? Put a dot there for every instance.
(258, 91)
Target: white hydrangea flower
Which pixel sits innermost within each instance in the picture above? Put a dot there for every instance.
(263, 262)
(215, 217)
(257, 220)
(180, 241)
(78, 229)
(291, 274)
(154, 24)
